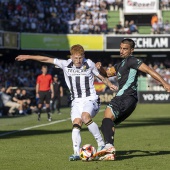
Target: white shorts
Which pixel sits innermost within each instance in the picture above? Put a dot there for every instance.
(84, 105)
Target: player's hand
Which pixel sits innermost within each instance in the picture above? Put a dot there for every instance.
(166, 87)
(98, 65)
(22, 57)
(113, 87)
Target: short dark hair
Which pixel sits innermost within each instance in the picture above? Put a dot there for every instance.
(45, 66)
(128, 41)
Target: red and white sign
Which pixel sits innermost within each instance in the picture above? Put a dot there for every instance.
(140, 6)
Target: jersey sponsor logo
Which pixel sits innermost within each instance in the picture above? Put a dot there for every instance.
(73, 71)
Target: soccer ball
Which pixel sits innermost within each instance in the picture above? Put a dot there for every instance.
(87, 152)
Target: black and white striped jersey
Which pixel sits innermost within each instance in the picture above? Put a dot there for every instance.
(80, 81)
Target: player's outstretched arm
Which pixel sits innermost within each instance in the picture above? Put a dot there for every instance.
(110, 72)
(106, 81)
(144, 68)
(43, 59)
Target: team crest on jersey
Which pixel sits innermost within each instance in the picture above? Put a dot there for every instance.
(84, 68)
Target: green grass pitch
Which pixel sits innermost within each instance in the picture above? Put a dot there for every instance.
(142, 142)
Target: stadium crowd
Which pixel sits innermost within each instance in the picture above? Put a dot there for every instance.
(164, 4)
(73, 17)
(56, 16)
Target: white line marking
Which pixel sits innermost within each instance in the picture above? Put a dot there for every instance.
(37, 126)
(33, 127)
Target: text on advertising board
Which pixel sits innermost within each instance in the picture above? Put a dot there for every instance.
(154, 43)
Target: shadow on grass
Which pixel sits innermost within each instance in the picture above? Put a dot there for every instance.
(126, 124)
(144, 122)
(121, 155)
(21, 133)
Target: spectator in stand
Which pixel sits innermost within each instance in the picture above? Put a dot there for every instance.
(132, 27)
(17, 98)
(165, 4)
(126, 27)
(119, 4)
(104, 27)
(91, 27)
(111, 4)
(97, 29)
(160, 26)
(26, 101)
(167, 27)
(84, 29)
(154, 19)
(76, 29)
(155, 28)
(7, 102)
(119, 29)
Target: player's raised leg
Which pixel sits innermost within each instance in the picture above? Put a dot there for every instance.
(90, 109)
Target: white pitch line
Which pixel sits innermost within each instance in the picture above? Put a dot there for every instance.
(37, 126)
(33, 127)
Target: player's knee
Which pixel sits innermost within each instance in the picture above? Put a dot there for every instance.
(76, 126)
(108, 114)
(77, 121)
(85, 117)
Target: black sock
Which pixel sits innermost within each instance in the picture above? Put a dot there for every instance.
(39, 111)
(48, 110)
(108, 133)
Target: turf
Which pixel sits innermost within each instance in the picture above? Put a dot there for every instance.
(144, 29)
(165, 15)
(113, 19)
(142, 142)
